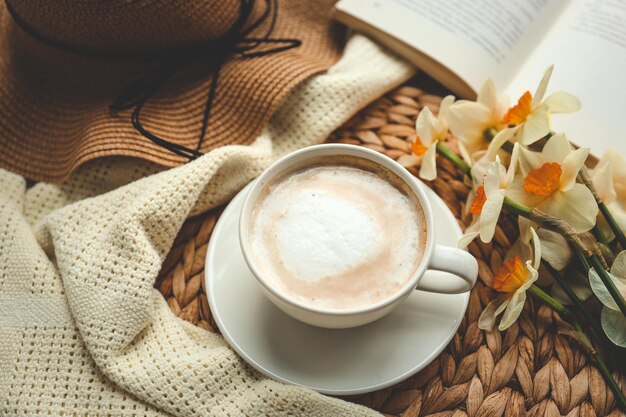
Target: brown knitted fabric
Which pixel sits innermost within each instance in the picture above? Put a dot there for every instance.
(54, 105)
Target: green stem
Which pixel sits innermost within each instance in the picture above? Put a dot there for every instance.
(597, 232)
(572, 296)
(617, 231)
(508, 146)
(581, 258)
(451, 156)
(517, 208)
(608, 378)
(608, 283)
(551, 302)
(525, 211)
(602, 367)
(592, 260)
(489, 134)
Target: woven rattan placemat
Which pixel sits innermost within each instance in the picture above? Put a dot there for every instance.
(532, 369)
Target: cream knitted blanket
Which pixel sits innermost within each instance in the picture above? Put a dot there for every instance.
(83, 332)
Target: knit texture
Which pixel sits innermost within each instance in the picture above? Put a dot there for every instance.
(55, 120)
(84, 332)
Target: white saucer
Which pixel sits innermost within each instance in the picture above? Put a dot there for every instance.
(338, 362)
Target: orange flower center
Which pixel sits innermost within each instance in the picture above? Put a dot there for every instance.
(544, 180)
(518, 113)
(479, 201)
(418, 147)
(511, 275)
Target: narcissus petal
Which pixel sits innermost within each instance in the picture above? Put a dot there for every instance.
(600, 290)
(471, 232)
(577, 282)
(614, 325)
(428, 170)
(515, 191)
(489, 216)
(562, 102)
(556, 149)
(618, 269)
(537, 125)
(603, 181)
(488, 317)
(543, 86)
(444, 107)
(409, 160)
(467, 120)
(487, 95)
(426, 126)
(500, 139)
(571, 166)
(554, 249)
(513, 310)
(576, 206)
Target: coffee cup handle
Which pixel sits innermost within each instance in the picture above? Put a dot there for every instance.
(455, 261)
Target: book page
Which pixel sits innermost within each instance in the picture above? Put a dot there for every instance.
(587, 46)
(475, 39)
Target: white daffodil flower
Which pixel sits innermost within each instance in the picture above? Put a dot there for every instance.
(609, 179)
(469, 120)
(547, 181)
(612, 320)
(488, 197)
(554, 247)
(430, 130)
(532, 113)
(512, 280)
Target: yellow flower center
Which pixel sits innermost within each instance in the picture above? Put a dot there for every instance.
(479, 201)
(544, 180)
(518, 113)
(418, 147)
(511, 275)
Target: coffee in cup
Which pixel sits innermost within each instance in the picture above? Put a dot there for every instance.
(339, 233)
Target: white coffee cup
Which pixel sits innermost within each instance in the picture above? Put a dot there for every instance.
(435, 257)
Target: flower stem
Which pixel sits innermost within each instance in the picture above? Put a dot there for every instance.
(602, 367)
(550, 302)
(451, 156)
(583, 261)
(608, 283)
(597, 232)
(517, 208)
(572, 296)
(563, 228)
(489, 134)
(617, 231)
(608, 378)
(525, 211)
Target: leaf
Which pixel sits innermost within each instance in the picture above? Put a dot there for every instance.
(600, 290)
(614, 325)
(619, 266)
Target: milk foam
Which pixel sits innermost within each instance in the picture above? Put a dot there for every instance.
(337, 236)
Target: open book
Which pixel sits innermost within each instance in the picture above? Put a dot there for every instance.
(461, 43)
